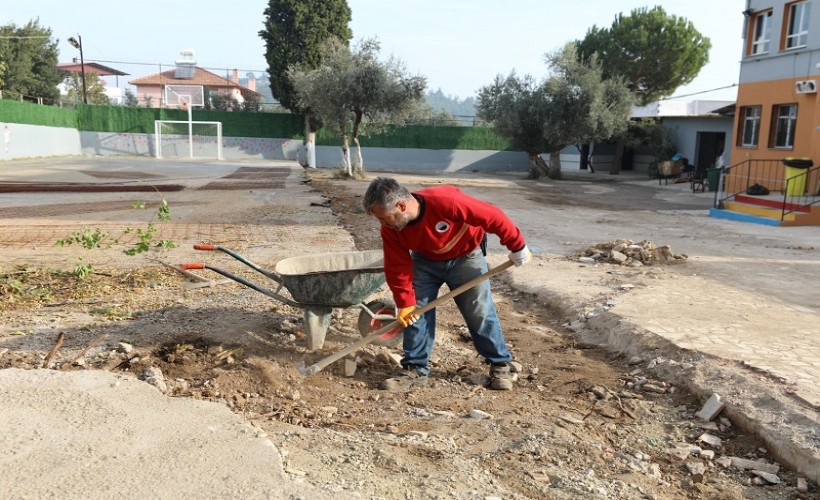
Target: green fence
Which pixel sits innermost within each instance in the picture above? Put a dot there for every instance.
(120, 119)
(36, 114)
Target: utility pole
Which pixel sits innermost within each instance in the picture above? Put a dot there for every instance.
(77, 43)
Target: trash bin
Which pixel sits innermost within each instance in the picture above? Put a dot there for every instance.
(713, 177)
(794, 168)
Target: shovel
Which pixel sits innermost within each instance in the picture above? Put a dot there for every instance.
(321, 364)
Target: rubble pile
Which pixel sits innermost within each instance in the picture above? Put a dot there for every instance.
(629, 253)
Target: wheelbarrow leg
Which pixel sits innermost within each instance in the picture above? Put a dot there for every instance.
(317, 319)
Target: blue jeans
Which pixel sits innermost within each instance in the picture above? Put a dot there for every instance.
(476, 306)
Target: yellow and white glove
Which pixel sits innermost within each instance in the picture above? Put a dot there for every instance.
(406, 316)
(521, 257)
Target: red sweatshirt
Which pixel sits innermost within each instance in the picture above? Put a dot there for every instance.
(450, 225)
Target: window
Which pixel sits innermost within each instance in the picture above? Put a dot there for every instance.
(762, 33)
(798, 29)
(785, 119)
(750, 127)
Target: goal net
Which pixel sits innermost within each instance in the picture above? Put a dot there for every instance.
(188, 139)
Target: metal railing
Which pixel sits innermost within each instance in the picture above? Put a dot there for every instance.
(800, 191)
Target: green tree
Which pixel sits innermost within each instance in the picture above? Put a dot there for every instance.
(573, 105)
(293, 34)
(654, 52)
(517, 108)
(29, 56)
(129, 99)
(353, 87)
(95, 89)
(583, 106)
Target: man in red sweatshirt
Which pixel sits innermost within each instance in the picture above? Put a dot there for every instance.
(434, 236)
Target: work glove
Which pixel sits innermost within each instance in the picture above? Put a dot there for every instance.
(521, 257)
(407, 316)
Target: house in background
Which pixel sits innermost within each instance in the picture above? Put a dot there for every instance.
(151, 89)
(702, 129)
(95, 70)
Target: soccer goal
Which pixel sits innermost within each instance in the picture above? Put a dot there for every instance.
(191, 139)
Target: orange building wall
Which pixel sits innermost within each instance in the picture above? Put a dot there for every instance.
(766, 95)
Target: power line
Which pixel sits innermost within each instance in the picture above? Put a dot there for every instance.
(155, 64)
(701, 92)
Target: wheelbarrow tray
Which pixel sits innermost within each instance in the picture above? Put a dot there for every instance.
(340, 279)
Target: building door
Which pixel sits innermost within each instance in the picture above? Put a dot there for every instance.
(709, 147)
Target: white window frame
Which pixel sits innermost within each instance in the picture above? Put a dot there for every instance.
(761, 41)
(797, 33)
(785, 124)
(751, 124)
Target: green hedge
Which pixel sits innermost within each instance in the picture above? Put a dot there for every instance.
(425, 137)
(119, 119)
(36, 114)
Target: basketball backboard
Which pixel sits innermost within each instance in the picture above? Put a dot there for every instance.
(184, 96)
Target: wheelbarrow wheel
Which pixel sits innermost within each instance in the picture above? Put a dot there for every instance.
(368, 325)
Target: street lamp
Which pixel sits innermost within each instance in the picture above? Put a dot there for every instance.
(77, 43)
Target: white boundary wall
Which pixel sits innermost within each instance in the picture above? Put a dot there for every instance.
(35, 141)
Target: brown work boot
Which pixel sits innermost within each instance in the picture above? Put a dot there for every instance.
(406, 380)
(501, 378)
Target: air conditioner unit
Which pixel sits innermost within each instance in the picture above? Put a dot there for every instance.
(805, 86)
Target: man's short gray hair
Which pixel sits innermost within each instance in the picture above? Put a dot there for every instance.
(385, 193)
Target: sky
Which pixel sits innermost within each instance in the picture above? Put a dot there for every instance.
(458, 45)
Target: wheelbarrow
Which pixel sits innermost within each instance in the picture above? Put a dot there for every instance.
(318, 283)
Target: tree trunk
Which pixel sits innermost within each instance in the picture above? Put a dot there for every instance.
(310, 144)
(554, 171)
(617, 158)
(358, 161)
(346, 166)
(538, 168)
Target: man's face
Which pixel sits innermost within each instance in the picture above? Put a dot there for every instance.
(396, 218)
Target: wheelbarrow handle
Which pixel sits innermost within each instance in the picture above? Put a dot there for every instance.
(209, 247)
(321, 364)
(192, 265)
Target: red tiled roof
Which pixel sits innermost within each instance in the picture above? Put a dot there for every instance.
(201, 77)
(90, 67)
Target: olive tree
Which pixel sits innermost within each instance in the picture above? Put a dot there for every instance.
(353, 89)
(574, 104)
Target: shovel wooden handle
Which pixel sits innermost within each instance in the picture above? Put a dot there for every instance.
(323, 363)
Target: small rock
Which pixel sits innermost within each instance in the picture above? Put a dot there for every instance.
(125, 347)
(154, 376)
(711, 440)
(769, 477)
(420, 434)
(350, 367)
(697, 470)
(635, 360)
(711, 408)
(479, 415)
(802, 485)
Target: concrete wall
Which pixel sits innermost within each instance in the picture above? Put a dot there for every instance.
(422, 160)
(32, 141)
(26, 141)
(685, 130)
